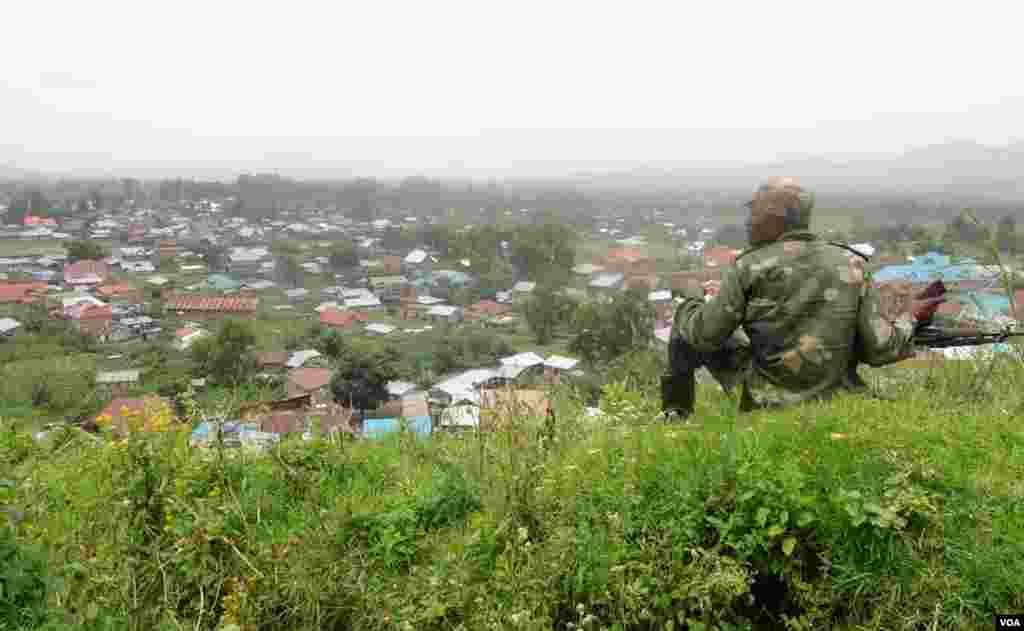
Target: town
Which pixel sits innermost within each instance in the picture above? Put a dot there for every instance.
(368, 307)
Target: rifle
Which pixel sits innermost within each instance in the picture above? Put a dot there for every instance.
(937, 337)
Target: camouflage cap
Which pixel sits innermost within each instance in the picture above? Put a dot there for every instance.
(783, 196)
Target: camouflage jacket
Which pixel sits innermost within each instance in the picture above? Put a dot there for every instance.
(809, 314)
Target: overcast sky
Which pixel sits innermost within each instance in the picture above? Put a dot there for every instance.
(166, 84)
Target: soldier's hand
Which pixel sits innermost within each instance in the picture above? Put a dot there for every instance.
(927, 302)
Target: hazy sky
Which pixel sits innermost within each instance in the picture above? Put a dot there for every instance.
(279, 83)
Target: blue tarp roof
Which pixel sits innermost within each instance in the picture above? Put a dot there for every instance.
(922, 271)
(990, 304)
(380, 426)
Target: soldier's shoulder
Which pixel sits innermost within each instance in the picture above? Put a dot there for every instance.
(758, 253)
(848, 248)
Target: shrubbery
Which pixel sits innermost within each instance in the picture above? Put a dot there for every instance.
(855, 514)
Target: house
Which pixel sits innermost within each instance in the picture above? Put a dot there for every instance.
(377, 427)
(341, 319)
(719, 256)
(252, 411)
(486, 309)
(364, 302)
(272, 360)
(459, 418)
(555, 366)
(683, 281)
(298, 359)
(223, 282)
(297, 295)
(379, 328)
(259, 285)
(92, 318)
(200, 307)
(86, 272)
(461, 387)
(415, 257)
(21, 292)
(502, 407)
(140, 267)
(391, 265)
(186, 336)
(312, 381)
(121, 291)
(143, 412)
(117, 383)
(388, 288)
(522, 290)
(248, 262)
(445, 313)
(9, 326)
(607, 282)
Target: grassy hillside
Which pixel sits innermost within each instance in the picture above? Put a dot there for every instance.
(854, 514)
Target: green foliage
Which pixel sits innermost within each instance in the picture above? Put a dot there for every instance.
(853, 514)
(545, 311)
(361, 379)
(330, 342)
(23, 578)
(343, 254)
(84, 249)
(467, 347)
(544, 251)
(227, 358)
(289, 270)
(607, 330)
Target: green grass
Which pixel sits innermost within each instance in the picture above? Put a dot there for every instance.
(34, 247)
(856, 514)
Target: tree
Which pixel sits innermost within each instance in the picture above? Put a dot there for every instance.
(540, 250)
(290, 271)
(362, 380)
(343, 254)
(32, 202)
(216, 256)
(1006, 234)
(545, 310)
(227, 358)
(605, 331)
(330, 343)
(83, 249)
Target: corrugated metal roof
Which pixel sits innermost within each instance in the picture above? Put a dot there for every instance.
(180, 302)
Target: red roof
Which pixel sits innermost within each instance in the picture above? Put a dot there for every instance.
(625, 254)
(233, 304)
(344, 319)
(310, 379)
(33, 220)
(85, 268)
(90, 312)
(185, 332)
(489, 307)
(720, 257)
(13, 292)
(115, 289)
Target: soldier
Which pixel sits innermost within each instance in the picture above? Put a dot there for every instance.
(794, 311)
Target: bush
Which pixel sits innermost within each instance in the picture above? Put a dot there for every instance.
(852, 514)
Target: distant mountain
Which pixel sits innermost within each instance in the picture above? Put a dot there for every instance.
(959, 167)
